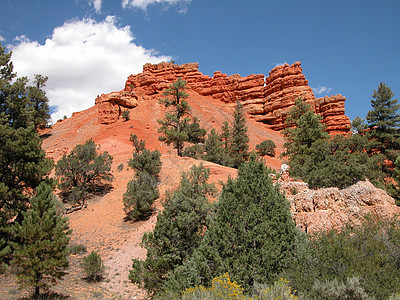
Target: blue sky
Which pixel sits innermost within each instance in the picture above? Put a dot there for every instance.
(89, 47)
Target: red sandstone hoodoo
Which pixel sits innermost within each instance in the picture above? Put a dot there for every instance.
(266, 100)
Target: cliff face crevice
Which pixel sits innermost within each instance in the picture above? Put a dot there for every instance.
(266, 99)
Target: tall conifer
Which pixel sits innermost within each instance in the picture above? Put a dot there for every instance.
(239, 144)
(41, 253)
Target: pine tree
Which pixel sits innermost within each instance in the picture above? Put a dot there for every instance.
(384, 115)
(317, 159)
(22, 160)
(225, 134)
(38, 101)
(177, 127)
(304, 128)
(41, 253)
(83, 170)
(214, 148)
(239, 142)
(139, 197)
(251, 237)
(178, 231)
(143, 159)
(384, 120)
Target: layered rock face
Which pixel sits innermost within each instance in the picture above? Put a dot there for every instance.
(267, 100)
(109, 105)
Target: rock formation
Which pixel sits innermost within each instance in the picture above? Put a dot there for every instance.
(327, 208)
(266, 100)
(109, 105)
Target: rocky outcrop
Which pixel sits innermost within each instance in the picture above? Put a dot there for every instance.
(315, 210)
(109, 105)
(266, 100)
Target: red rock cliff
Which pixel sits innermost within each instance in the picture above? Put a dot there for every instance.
(266, 100)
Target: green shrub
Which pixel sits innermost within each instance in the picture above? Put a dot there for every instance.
(279, 290)
(333, 290)
(126, 115)
(120, 167)
(139, 197)
(93, 267)
(370, 252)
(266, 148)
(77, 249)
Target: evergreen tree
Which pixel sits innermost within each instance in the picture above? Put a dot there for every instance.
(266, 148)
(144, 160)
(23, 164)
(384, 116)
(358, 125)
(239, 143)
(317, 159)
(225, 134)
(177, 127)
(21, 105)
(304, 128)
(83, 171)
(139, 197)
(39, 101)
(142, 191)
(178, 231)
(214, 148)
(251, 237)
(383, 120)
(40, 256)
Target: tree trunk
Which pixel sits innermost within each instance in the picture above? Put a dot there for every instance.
(37, 291)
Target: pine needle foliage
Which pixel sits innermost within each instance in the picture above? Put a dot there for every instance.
(144, 160)
(83, 171)
(139, 197)
(239, 141)
(178, 127)
(251, 237)
(23, 163)
(40, 255)
(93, 267)
(179, 229)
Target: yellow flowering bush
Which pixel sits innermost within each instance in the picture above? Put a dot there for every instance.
(221, 288)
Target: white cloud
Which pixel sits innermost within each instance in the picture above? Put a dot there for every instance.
(96, 4)
(2, 39)
(321, 90)
(144, 3)
(82, 58)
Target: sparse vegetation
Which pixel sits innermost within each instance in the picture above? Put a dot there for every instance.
(93, 267)
(126, 115)
(77, 249)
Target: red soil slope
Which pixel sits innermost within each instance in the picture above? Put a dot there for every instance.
(101, 226)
